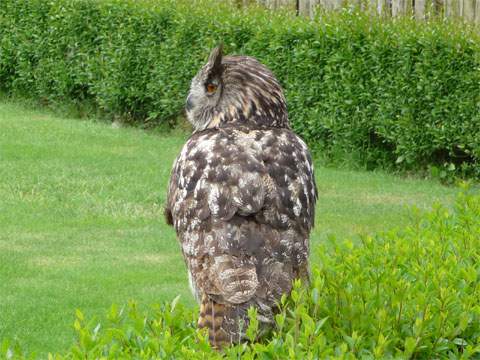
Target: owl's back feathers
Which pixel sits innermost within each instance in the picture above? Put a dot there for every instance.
(242, 202)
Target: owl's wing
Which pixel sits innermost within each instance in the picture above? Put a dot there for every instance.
(239, 199)
(215, 176)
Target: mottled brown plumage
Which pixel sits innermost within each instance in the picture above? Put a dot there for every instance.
(241, 196)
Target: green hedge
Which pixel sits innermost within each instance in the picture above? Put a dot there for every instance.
(410, 293)
(395, 94)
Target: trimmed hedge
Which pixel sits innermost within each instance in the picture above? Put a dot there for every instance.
(404, 294)
(376, 93)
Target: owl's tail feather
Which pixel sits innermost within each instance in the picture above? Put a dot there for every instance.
(211, 317)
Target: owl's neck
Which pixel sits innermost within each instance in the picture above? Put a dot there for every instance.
(275, 117)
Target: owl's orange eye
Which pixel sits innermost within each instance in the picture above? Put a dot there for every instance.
(211, 88)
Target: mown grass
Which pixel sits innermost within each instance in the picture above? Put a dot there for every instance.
(81, 222)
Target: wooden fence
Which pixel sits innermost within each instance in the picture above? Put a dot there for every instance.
(420, 9)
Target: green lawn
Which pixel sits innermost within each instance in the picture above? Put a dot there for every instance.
(81, 221)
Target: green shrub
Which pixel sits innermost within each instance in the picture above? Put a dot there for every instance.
(376, 93)
(409, 293)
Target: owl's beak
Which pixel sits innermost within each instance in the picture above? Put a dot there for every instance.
(189, 103)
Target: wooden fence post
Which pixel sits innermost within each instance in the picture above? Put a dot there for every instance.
(420, 9)
(454, 8)
(383, 8)
(398, 7)
(460, 8)
(313, 4)
(287, 4)
(466, 9)
(477, 12)
(303, 7)
(307, 7)
(469, 10)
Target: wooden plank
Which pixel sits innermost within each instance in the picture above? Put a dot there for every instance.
(372, 7)
(307, 7)
(466, 9)
(431, 8)
(407, 7)
(358, 5)
(286, 4)
(395, 7)
(323, 4)
(448, 8)
(304, 7)
(477, 12)
(398, 7)
(312, 7)
(440, 7)
(382, 8)
(270, 4)
(469, 10)
(460, 8)
(333, 4)
(338, 4)
(420, 9)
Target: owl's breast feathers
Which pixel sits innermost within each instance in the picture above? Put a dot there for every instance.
(242, 202)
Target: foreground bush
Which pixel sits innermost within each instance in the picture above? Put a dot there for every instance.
(410, 293)
(398, 94)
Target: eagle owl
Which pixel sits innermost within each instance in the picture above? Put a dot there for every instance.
(241, 196)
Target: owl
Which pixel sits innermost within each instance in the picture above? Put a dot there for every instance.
(241, 196)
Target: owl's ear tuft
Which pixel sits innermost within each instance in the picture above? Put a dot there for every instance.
(215, 61)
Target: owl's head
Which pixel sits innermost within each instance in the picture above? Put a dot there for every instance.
(235, 89)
